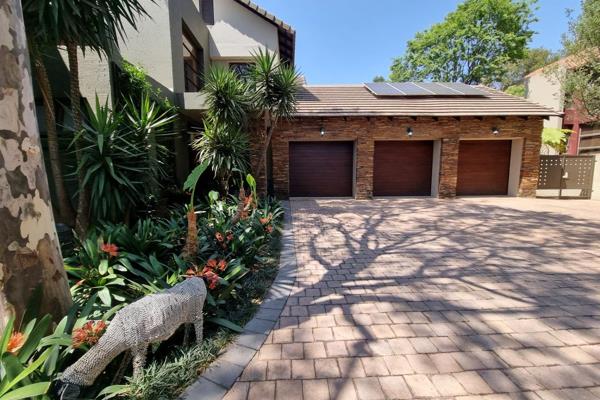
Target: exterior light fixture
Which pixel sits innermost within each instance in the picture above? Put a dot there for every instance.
(322, 131)
(409, 131)
(495, 131)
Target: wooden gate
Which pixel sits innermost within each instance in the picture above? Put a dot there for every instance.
(563, 176)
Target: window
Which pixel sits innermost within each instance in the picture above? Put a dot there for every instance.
(242, 69)
(193, 62)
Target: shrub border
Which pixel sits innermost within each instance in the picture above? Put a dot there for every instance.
(217, 379)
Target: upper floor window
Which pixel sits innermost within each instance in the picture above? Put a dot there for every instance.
(193, 62)
(240, 68)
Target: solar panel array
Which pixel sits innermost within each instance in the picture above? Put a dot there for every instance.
(409, 89)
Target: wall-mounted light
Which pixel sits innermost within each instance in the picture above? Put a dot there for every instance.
(322, 131)
(495, 131)
(409, 131)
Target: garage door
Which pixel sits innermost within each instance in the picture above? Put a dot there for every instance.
(483, 167)
(402, 168)
(321, 169)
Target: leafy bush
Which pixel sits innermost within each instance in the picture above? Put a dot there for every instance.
(116, 263)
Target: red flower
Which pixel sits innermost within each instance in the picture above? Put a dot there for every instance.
(269, 228)
(222, 265)
(211, 278)
(88, 334)
(15, 342)
(110, 248)
(212, 263)
(219, 236)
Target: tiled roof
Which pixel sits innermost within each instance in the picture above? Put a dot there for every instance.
(356, 100)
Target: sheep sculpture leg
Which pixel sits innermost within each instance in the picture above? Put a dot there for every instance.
(199, 328)
(139, 358)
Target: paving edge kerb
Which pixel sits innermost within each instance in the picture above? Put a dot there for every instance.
(217, 379)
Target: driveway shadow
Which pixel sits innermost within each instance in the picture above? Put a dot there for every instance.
(498, 285)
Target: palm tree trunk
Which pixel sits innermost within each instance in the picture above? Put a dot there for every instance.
(30, 256)
(263, 152)
(83, 206)
(65, 208)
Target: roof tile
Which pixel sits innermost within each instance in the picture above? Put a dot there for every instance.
(357, 100)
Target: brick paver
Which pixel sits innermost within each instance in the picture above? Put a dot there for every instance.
(491, 298)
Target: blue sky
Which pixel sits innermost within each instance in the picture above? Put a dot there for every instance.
(351, 41)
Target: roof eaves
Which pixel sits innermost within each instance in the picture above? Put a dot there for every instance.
(347, 113)
(266, 15)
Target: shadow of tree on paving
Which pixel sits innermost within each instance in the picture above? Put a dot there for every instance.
(495, 287)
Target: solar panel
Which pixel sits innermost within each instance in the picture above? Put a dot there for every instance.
(439, 89)
(383, 89)
(465, 89)
(416, 89)
(411, 89)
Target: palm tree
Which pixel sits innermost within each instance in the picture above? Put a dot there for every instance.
(268, 94)
(93, 25)
(31, 257)
(274, 86)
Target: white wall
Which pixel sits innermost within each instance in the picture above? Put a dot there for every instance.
(150, 46)
(238, 32)
(94, 75)
(544, 87)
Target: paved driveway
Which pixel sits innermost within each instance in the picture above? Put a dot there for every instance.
(487, 298)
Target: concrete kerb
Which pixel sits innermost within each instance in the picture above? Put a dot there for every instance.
(214, 383)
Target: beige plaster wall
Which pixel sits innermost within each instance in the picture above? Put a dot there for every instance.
(238, 32)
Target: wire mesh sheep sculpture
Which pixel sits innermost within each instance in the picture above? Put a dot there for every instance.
(151, 319)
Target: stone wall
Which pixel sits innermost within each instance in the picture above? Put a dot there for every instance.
(364, 131)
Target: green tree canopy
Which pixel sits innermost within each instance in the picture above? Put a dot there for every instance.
(533, 59)
(474, 44)
(582, 82)
(517, 70)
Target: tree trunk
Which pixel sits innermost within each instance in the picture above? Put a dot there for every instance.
(29, 250)
(263, 151)
(64, 204)
(83, 205)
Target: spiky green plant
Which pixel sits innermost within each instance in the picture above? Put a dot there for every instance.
(274, 86)
(226, 96)
(225, 148)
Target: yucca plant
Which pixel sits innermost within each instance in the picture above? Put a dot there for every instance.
(96, 25)
(274, 86)
(151, 122)
(227, 96)
(226, 150)
(113, 163)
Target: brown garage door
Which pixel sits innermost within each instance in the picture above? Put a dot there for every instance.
(483, 167)
(321, 169)
(402, 168)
